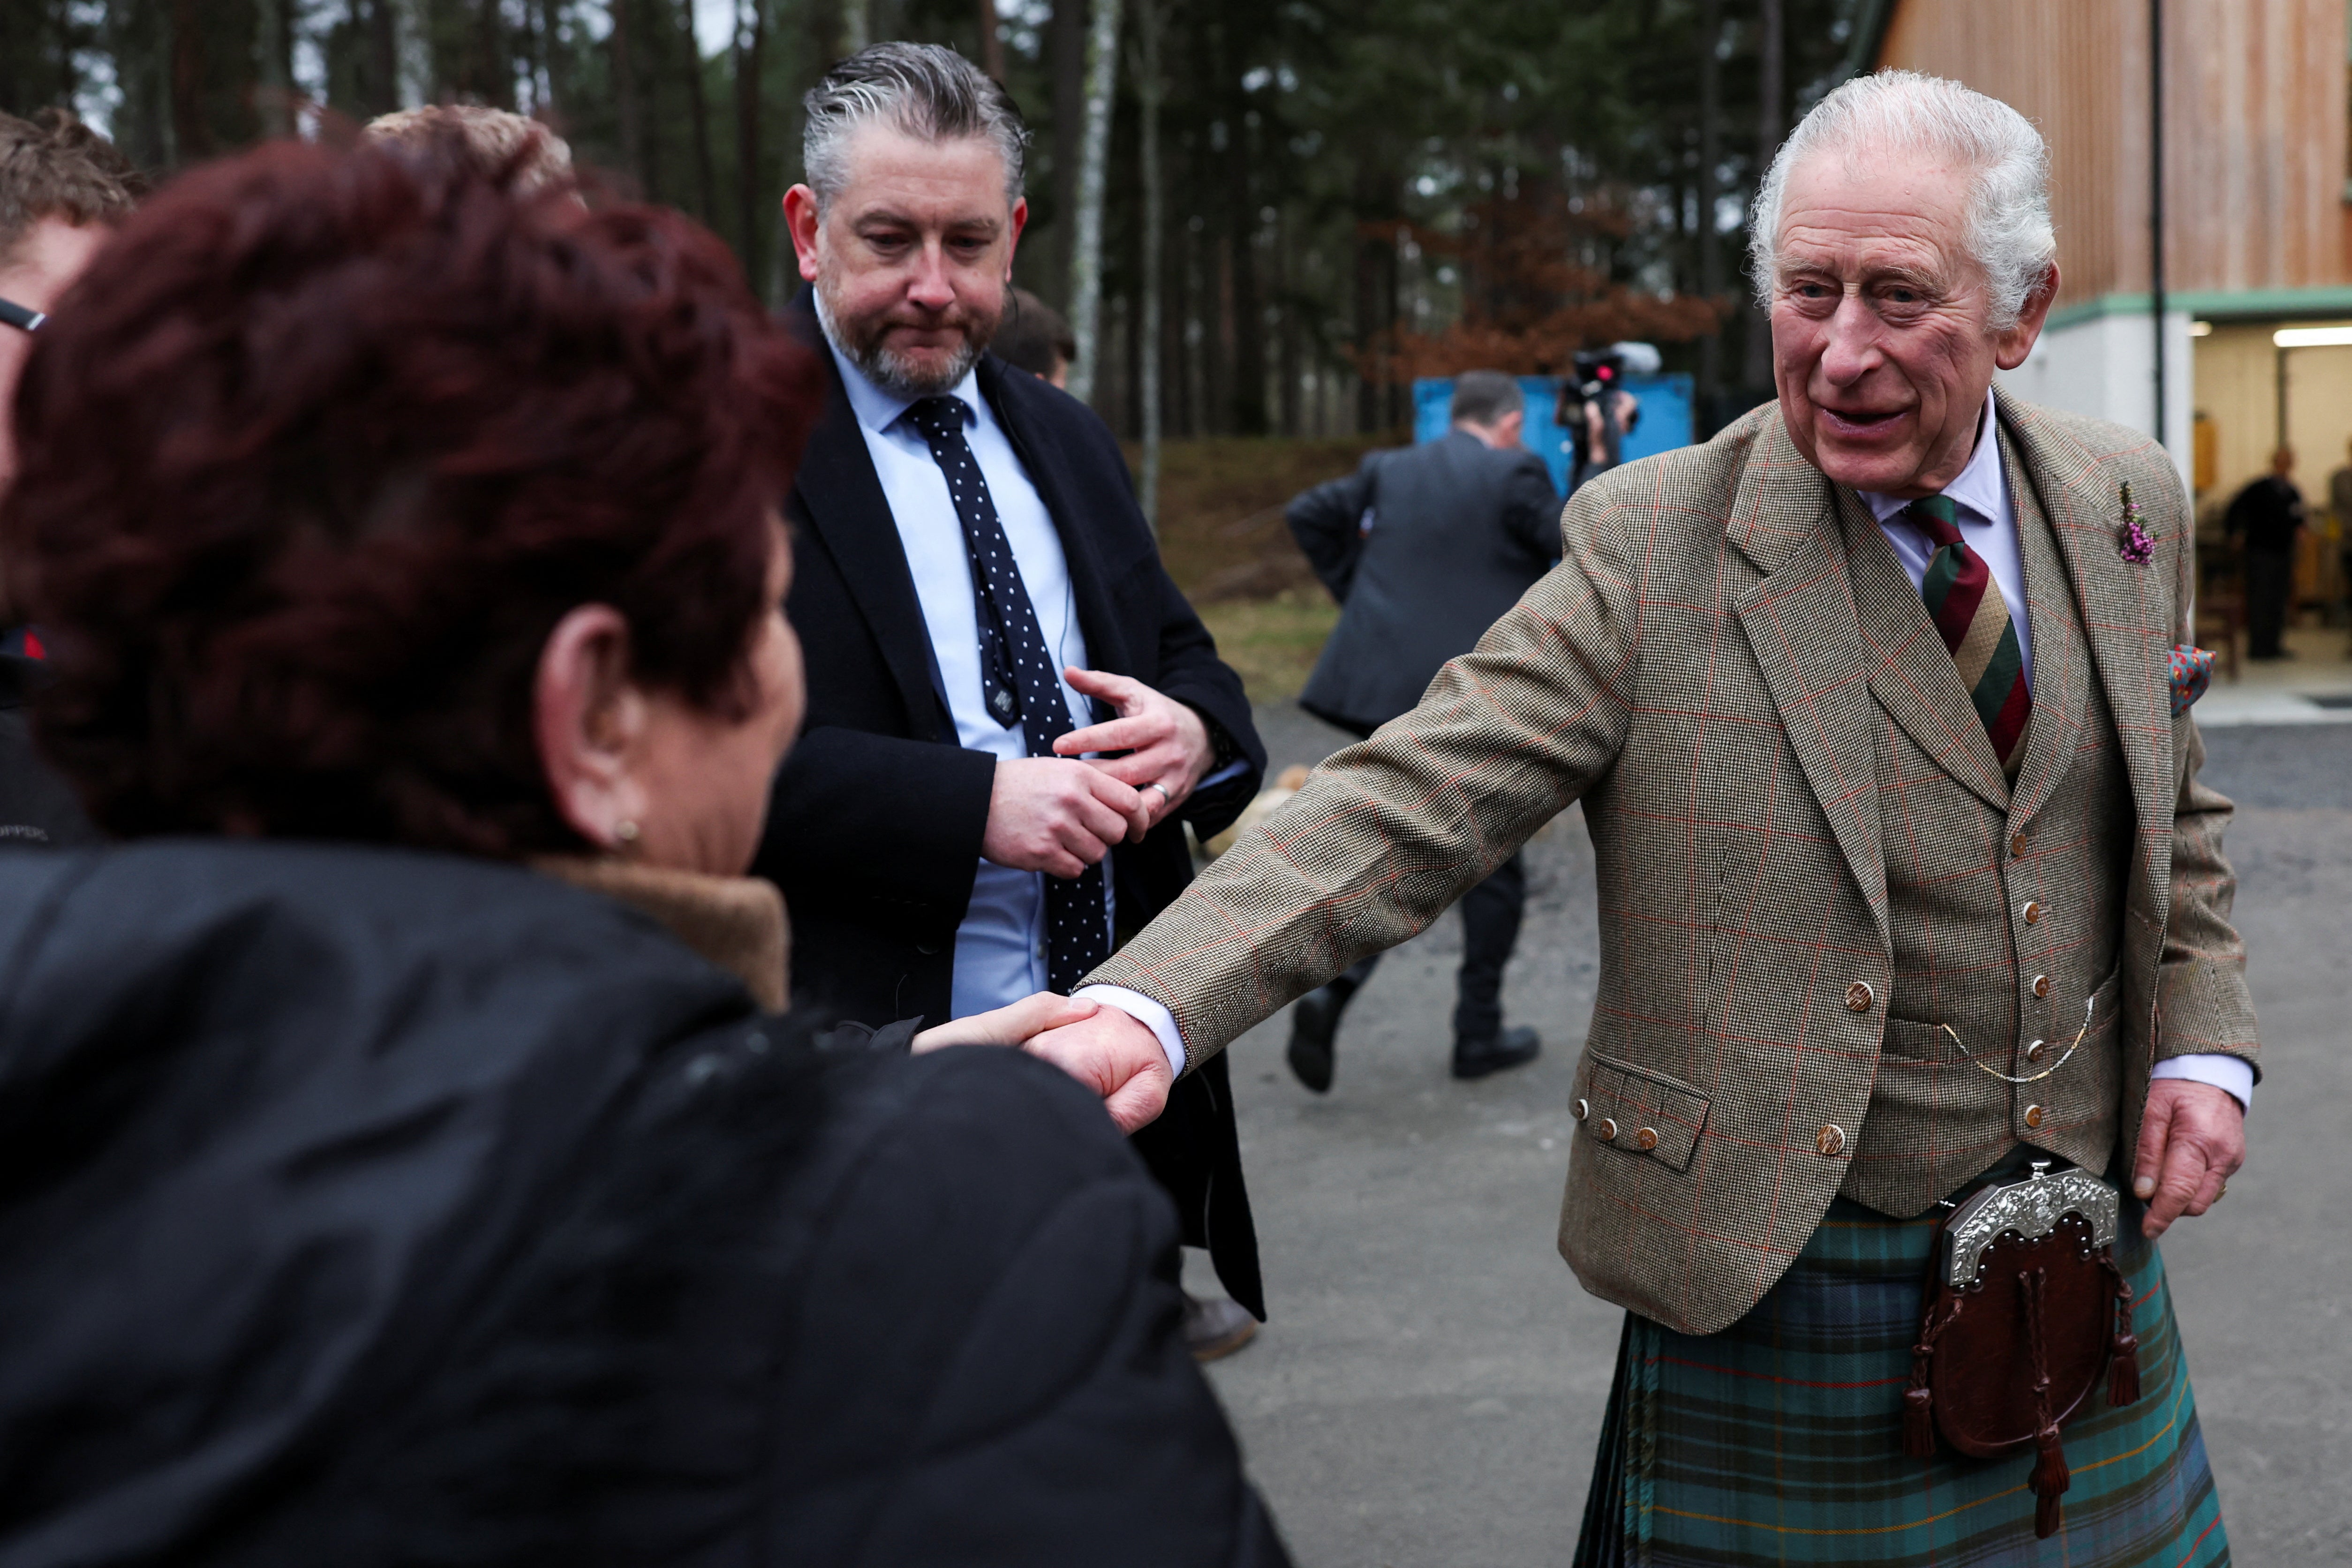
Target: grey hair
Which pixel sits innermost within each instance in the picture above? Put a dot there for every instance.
(2010, 234)
(926, 90)
(1483, 397)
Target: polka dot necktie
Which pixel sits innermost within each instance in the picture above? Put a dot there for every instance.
(1020, 682)
(1973, 618)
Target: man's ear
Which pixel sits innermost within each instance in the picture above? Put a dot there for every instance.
(800, 220)
(2010, 348)
(1013, 239)
(589, 722)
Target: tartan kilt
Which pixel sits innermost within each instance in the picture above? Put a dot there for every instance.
(1779, 1439)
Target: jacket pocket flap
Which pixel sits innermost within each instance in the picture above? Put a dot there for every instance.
(1652, 1115)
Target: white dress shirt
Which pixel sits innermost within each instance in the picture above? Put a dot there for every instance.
(1987, 524)
(1000, 948)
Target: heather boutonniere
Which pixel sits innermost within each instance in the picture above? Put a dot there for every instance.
(2133, 541)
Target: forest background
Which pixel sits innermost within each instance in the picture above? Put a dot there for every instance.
(1264, 217)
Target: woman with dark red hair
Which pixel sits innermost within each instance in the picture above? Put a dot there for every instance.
(400, 1160)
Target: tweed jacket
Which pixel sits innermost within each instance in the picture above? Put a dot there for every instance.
(1695, 672)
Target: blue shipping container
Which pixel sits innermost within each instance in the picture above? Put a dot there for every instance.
(1665, 421)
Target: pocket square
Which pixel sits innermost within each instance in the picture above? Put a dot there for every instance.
(2192, 672)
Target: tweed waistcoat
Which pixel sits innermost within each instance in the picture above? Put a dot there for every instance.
(1695, 674)
(1965, 855)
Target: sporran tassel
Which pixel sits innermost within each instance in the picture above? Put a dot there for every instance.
(2050, 1479)
(1918, 1421)
(2123, 1371)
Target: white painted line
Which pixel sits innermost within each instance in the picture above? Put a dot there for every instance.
(2224, 707)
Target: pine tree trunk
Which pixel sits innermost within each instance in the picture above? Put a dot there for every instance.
(1094, 167)
(625, 94)
(1066, 55)
(1771, 72)
(1710, 244)
(696, 107)
(991, 47)
(1155, 246)
(750, 46)
(554, 59)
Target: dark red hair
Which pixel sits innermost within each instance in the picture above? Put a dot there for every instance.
(323, 446)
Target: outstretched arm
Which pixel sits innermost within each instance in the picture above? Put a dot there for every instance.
(1387, 833)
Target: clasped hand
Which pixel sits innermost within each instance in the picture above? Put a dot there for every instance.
(1104, 1048)
(1062, 814)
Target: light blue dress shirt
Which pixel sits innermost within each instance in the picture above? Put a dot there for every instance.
(1000, 948)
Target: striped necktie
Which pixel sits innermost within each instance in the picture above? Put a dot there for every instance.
(1969, 612)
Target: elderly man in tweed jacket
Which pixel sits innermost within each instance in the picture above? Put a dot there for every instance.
(1877, 705)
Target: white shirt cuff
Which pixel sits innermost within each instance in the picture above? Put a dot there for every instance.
(1148, 1012)
(2234, 1075)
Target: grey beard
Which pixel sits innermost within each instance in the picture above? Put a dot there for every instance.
(891, 373)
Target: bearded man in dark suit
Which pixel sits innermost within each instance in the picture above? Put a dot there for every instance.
(1012, 711)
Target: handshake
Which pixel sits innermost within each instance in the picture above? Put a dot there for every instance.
(1104, 1048)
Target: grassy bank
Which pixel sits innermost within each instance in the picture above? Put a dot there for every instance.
(1221, 534)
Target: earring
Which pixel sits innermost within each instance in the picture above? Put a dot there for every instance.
(625, 831)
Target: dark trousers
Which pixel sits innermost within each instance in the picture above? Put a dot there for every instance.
(2270, 577)
(1490, 930)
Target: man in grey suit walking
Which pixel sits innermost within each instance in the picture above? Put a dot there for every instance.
(1425, 548)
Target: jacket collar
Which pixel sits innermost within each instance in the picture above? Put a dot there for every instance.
(1802, 621)
(737, 924)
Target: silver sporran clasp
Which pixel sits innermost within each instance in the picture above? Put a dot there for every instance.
(2032, 1208)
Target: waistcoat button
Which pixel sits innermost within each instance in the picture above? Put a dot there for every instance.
(2033, 912)
(1859, 996)
(2036, 1051)
(2041, 985)
(1646, 1139)
(2033, 1116)
(1830, 1140)
(1605, 1129)
(1581, 1109)
(2017, 847)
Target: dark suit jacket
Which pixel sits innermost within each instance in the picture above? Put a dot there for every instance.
(875, 832)
(1460, 531)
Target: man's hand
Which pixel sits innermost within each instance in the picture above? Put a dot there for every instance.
(1059, 817)
(2192, 1139)
(1167, 744)
(1117, 1058)
(1007, 1025)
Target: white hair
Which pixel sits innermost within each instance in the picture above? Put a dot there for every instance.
(2010, 235)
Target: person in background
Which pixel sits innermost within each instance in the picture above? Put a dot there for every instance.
(2267, 516)
(984, 607)
(1036, 339)
(62, 188)
(1425, 548)
(541, 159)
(400, 1159)
(2339, 504)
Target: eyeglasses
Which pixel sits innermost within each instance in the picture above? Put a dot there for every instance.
(21, 317)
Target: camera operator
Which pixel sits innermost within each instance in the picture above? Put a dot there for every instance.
(1596, 412)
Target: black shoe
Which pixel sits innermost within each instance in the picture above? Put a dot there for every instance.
(1512, 1048)
(1314, 1030)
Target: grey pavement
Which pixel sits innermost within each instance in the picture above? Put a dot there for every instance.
(1431, 1384)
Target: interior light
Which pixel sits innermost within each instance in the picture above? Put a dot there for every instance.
(2313, 337)
(2200, 329)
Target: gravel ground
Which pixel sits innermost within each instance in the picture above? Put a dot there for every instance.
(1432, 1382)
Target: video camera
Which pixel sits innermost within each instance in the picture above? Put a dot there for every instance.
(1596, 385)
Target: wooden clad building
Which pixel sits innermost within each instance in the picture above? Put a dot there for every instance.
(2257, 208)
